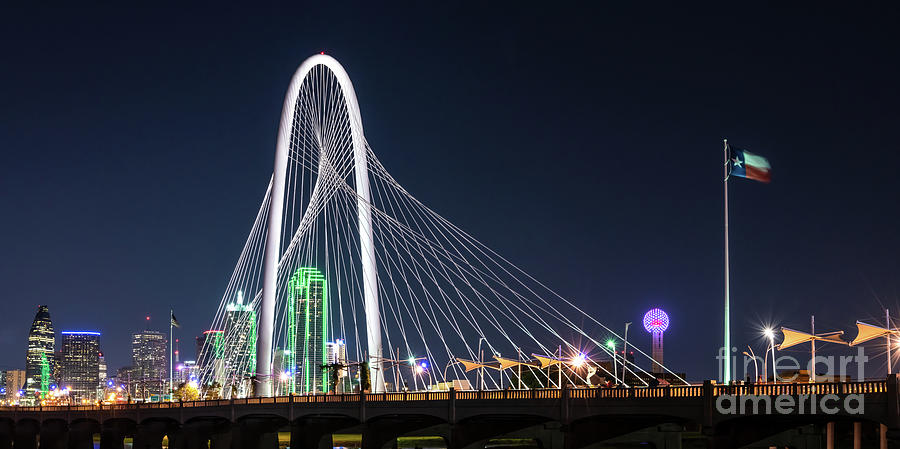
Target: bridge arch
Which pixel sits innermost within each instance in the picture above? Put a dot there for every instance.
(276, 215)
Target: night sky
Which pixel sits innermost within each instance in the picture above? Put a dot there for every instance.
(585, 145)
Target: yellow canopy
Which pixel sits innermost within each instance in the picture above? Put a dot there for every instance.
(471, 365)
(546, 360)
(509, 363)
(869, 332)
(794, 337)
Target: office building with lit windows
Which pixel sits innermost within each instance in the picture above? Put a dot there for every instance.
(239, 347)
(149, 364)
(13, 380)
(307, 328)
(80, 365)
(39, 357)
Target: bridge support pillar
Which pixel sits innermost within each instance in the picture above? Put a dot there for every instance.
(81, 434)
(112, 439)
(247, 439)
(455, 437)
(149, 435)
(54, 434)
(469, 432)
(114, 432)
(205, 434)
(384, 430)
(255, 434)
(7, 433)
(26, 435)
(307, 433)
(672, 439)
(829, 435)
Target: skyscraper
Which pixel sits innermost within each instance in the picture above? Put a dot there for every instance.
(39, 357)
(149, 362)
(282, 372)
(102, 368)
(14, 380)
(336, 360)
(211, 356)
(239, 346)
(186, 372)
(307, 329)
(80, 364)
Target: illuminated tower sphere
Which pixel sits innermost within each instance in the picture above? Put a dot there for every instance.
(656, 322)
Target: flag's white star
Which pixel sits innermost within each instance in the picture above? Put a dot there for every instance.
(737, 162)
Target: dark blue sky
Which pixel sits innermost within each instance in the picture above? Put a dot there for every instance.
(583, 143)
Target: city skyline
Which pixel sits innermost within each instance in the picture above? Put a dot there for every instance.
(621, 148)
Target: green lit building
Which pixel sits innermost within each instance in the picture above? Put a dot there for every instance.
(39, 357)
(211, 356)
(307, 331)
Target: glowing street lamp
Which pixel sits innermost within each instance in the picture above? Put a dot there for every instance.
(419, 369)
(578, 360)
(770, 334)
(611, 344)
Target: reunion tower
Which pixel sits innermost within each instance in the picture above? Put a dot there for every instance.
(656, 322)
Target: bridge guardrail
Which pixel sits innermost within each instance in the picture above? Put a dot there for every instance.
(669, 391)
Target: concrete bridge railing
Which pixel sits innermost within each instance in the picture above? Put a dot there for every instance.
(581, 415)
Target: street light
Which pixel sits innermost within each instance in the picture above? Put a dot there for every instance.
(625, 353)
(578, 360)
(481, 363)
(451, 362)
(770, 333)
(611, 344)
(755, 365)
(419, 370)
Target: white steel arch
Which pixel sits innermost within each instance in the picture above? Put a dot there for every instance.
(276, 215)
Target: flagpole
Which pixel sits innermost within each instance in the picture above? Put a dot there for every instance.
(726, 375)
(171, 345)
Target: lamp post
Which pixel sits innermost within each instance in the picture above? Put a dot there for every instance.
(611, 344)
(414, 367)
(755, 365)
(451, 362)
(625, 353)
(420, 369)
(771, 334)
(480, 365)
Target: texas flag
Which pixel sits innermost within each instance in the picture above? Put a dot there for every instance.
(748, 165)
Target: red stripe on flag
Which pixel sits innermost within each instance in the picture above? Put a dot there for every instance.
(757, 173)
